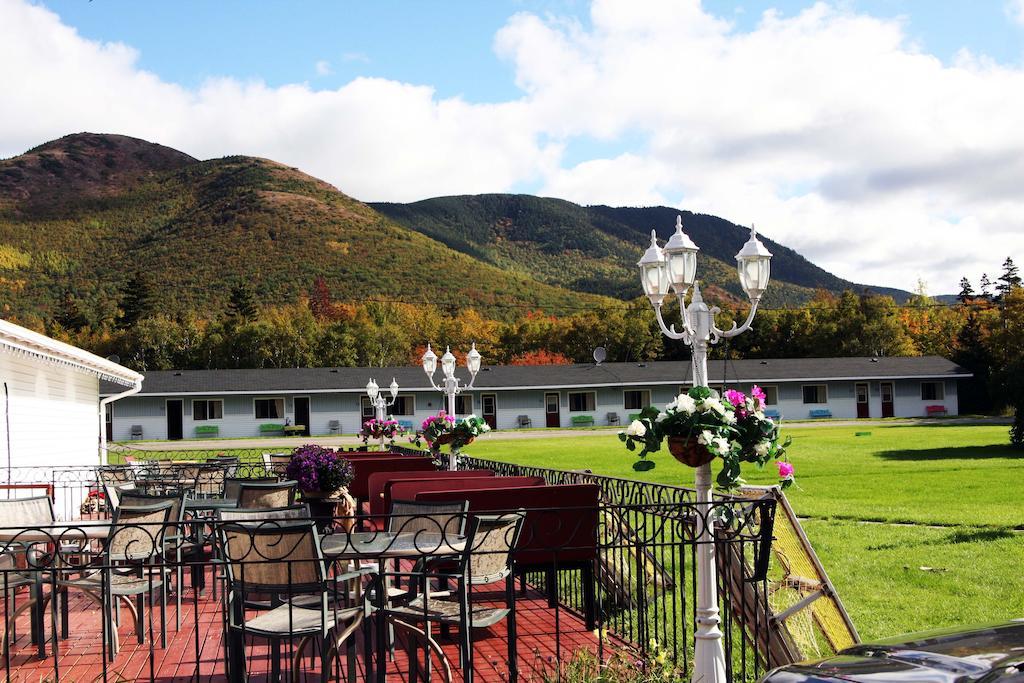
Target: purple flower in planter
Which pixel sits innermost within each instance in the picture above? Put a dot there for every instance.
(316, 468)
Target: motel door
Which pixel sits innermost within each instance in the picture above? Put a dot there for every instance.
(489, 408)
(174, 426)
(302, 413)
(887, 409)
(863, 407)
(552, 418)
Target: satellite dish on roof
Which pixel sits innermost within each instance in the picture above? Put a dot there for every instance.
(114, 358)
(600, 354)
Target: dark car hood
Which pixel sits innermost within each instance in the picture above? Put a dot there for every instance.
(944, 656)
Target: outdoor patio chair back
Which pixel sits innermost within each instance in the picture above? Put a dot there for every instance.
(133, 498)
(115, 474)
(113, 493)
(448, 519)
(138, 531)
(27, 512)
(277, 494)
(210, 480)
(272, 558)
(277, 463)
(233, 484)
(292, 512)
(490, 541)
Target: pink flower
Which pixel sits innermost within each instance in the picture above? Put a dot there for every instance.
(785, 469)
(758, 393)
(735, 397)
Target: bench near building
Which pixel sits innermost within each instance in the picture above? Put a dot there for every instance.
(245, 403)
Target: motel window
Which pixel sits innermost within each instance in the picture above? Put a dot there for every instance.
(463, 405)
(771, 396)
(206, 409)
(269, 408)
(582, 401)
(367, 408)
(815, 393)
(932, 391)
(636, 400)
(404, 405)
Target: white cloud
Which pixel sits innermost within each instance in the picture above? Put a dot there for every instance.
(1015, 10)
(323, 68)
(829, 129)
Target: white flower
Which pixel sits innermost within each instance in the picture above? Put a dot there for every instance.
(685, 403)
(662, 416)
(636, 428)
(705, 438)
(759, 415)
(761, 448)
(713, 404)
(672, 405)
(729, 418)
(722, 445)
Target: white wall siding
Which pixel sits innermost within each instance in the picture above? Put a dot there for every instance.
(239, 415)
(53, 413)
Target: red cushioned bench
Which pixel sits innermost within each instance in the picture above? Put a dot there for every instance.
(560, 531)
(364, 467)
(934, 411)
(378, 481)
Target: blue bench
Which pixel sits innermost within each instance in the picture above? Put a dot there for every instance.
(821, 412)
(772, 413)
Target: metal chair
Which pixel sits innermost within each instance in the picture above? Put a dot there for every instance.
(136, 432)
(210, 480)
(11, 579)
(134, 543)
(487, 559)
(277, 494)
(283, 559)
(334, 426)
(233, 484)
(27, 513)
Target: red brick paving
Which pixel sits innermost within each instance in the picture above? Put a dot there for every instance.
(80, 658)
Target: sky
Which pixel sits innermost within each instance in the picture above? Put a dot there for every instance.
(882, 139)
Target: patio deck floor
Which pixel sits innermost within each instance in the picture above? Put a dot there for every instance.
(540, 640)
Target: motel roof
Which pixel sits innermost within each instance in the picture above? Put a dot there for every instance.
(509, 377)
(20, 341)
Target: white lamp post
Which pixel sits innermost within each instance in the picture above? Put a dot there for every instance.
(675, 266)
(379, 402)
(450, 385)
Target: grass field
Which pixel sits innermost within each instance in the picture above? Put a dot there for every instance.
(893, 578)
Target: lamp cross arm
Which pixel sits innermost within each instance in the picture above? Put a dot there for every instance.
(670, 332)
(736, 330)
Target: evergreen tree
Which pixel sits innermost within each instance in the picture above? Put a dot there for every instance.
(70, 316)
(242, 303)
(139, 299)
(966, 291)
(1009, 279)
(984, 285)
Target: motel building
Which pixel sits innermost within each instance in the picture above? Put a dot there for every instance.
(188, 404)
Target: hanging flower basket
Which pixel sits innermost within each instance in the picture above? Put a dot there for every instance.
(687, 451)
(443, 439)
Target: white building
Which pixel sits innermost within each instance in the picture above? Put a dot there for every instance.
(50, 408)
(244, 403)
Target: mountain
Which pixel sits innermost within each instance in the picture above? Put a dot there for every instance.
(595, 248)
(83, 216)
(84, 213)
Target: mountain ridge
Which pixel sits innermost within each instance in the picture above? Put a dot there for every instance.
(81, 214)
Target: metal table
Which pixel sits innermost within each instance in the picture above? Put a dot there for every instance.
(383, 546)
(197, 504)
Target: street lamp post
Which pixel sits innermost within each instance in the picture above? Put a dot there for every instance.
(675, 267)
(379, 402)
(450, 385)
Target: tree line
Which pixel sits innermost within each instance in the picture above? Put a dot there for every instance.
(983, 331)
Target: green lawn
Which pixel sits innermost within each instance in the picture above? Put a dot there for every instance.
(893, 579)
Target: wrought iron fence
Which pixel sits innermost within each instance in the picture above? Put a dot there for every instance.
(591, 581)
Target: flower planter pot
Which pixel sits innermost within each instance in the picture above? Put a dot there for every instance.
(687, 451)
(328, 507)
(443, 439)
